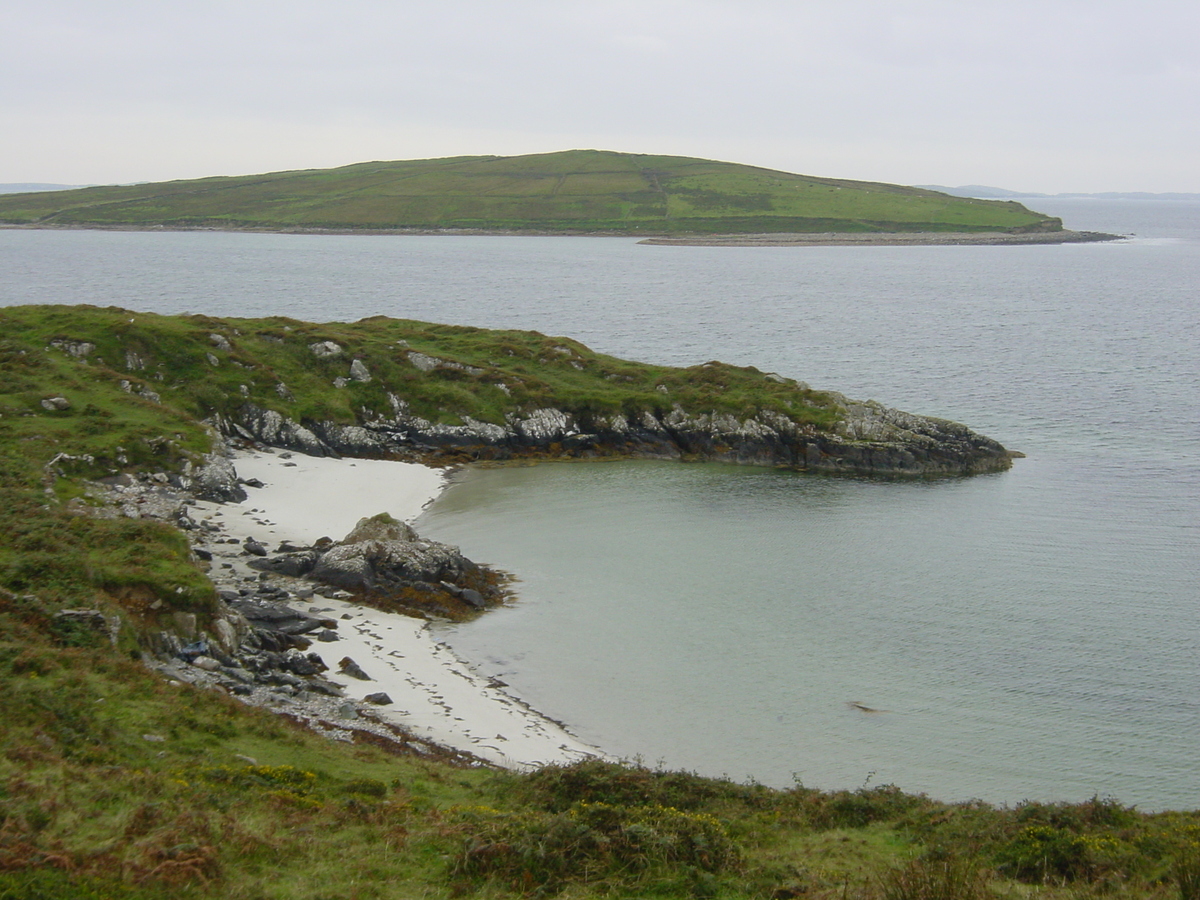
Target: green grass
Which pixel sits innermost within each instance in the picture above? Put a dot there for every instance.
(118, 783)
(571, 191)
(174, 357)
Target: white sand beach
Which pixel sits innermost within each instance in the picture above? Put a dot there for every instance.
(304, 498)
(435, 695)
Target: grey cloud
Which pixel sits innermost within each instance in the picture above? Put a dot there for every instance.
(883, 78)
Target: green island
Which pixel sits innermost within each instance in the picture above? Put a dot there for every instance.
(570, 192)
(117, 783)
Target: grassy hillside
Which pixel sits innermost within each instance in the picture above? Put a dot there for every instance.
(115, 783)
(571, 191)
(490, 373)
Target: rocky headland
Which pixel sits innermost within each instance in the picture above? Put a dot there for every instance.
(139, 417)
(388, 388)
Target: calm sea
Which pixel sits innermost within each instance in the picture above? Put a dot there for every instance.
(1033, 634)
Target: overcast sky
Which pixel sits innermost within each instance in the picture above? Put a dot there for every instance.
(1038, 95)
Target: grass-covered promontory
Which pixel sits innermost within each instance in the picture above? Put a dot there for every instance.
(576, 191)
(88, 393)
(115, 783)
(123, 370)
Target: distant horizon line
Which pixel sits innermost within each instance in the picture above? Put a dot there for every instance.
(987, 192)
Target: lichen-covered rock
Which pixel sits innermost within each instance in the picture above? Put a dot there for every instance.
(215, 479)
(325, 349)
(429, 363)
(381, 552)
(542, 426)
(346, 568)
(77, 349)
(381, 528)
(269, 427)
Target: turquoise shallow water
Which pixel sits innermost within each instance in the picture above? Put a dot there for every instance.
(1029, 634)
(724, 619)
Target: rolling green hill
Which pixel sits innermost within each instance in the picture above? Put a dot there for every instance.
(575, 191)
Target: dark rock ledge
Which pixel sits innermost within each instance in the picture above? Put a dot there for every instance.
(870, 439)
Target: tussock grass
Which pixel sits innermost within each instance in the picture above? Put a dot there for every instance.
(934, 879)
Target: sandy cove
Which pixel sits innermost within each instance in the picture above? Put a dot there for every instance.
(435, 695)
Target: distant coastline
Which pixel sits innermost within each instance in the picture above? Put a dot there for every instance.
(884, 239)
(767, 239)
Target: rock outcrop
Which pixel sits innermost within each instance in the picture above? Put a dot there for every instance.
(869, 438)
(388, 562)
(215, 478)
(382, 552)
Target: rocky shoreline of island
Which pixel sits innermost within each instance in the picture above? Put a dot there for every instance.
(886, 239)
(868, 439)
(665, 239)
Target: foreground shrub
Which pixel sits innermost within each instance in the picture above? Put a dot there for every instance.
(593, 842)
(856, 809)
(558, 787)
(1043, 853)
(1091, 815)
